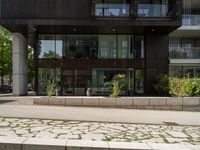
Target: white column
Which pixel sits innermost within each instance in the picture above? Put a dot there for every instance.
(20, 70)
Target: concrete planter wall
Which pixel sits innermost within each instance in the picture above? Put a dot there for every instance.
(152, 103)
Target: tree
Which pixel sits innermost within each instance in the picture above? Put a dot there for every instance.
(5, 54)
(31, 72)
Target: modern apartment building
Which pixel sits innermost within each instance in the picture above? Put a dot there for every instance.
(185, 42)
(87, 43)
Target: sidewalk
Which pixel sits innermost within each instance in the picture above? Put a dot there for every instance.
(101, 114)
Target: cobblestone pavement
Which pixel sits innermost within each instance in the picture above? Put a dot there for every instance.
(99, 131)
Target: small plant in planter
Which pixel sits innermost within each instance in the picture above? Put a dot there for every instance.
(51, 88)
(116, 89)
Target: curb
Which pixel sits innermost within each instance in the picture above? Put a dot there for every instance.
(19, 143)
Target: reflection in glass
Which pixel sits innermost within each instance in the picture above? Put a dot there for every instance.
(102, 80)
(107, 46)
(81, 46)
(139, 81)
(44, 76)
(139, 47)
(112, 8)
(154, 8)
(60, 45)
(46, 46)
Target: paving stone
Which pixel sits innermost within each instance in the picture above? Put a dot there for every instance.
(45, 135)
(168, 146)
(98, 137)
(69, 136)
(194, 147)
(177, 134)
(44, 144)
(73, 144)
(22, 131)
(131, 146)
(11, 143)
(36, 129)
(4, 124)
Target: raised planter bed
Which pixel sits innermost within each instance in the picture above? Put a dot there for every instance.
(152, 103)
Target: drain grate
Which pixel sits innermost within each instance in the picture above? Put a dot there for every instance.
(171, 123)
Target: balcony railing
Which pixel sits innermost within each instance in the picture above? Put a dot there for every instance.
(112, 10)
(184, 53)
(191, 20)
(152, 10)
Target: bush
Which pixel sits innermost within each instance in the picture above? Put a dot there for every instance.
(184, 86)
(162, 85)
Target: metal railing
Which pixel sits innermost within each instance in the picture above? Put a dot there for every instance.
(112, 10)
(191, 20)
(184, 52)
(152, 10)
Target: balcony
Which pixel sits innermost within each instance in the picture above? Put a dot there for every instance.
(112, 10)
(152, 10)
(184, 53)
(191, 20)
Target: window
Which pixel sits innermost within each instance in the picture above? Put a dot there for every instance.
(44, 76)
(112, 8)
(81, 46)
(139, 47)
(154, 8)
(51, 46)
(139, 81)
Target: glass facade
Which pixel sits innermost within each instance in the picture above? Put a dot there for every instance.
(154, 8)
(112, 8)
(187, 48)
(91, 47)
(185, 71)
(50, 46)
(45, 75)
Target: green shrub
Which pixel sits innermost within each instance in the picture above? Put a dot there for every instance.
(162, 84)
(184, 86)
(116, 89)
(51, 88)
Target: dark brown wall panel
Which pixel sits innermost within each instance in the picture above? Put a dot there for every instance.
(157, 59)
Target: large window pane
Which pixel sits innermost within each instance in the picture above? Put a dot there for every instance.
(102, 81)
(123, 46)
(60, 45)
(81, 46)
(44, 76)
(139, 47)
(107, 46)
(46, 46)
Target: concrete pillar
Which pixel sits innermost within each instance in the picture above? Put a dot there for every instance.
(20, 60)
